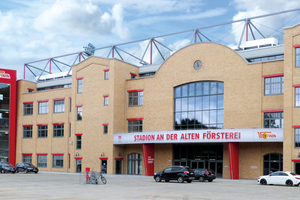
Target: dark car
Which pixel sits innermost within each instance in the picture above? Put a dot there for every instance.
(179, 173)
(26, 167)
(204, 174)
(7, 167)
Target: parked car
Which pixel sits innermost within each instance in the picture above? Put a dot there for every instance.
(26, 167)
(280, 178)
(204, 174)
(7, 167)
(179, 173)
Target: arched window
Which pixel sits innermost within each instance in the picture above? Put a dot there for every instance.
(199, 105)
(134, 164)
(272, 163)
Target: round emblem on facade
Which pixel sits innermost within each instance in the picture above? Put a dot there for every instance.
(197, 64)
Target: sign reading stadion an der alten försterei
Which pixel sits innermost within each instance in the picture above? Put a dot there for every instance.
(201, 136)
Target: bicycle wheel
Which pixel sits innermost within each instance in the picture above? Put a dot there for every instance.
(103, 179)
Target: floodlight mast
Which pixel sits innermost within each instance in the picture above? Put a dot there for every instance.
(90, 49)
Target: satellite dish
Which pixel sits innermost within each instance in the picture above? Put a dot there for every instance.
(89, 50)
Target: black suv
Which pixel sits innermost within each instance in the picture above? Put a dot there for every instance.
(179, 173)
(7, 167)
(26, 167)
(204, 174)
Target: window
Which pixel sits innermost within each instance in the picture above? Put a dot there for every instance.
(43, 131)
(70, 104)
(135, 126)
(134, 164)
(28, 108)
(78, 141)
(297, 52)
(297, 96)
(199, 105)
(136, 98)
(105, 128)
(58, 161)
(42, 160)
(70, 130)
(79, 85)
(297, 137)
(106, 100)
(27, 158)
(273, 120)
(43, 107)
(272, 163)
(27, 131)
(59, 106)
(106, 75)
(274, 85)
(79, 113)
(58, 130)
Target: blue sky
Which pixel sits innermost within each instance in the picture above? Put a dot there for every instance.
(33, 30)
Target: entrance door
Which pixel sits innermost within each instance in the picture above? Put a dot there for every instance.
(118, 166)
(104, 166)
(212, 165)
(78, 165)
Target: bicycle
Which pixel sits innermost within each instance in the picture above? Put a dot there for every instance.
(94, 178)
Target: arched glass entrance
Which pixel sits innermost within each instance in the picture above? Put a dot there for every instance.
(272, 163)
(134, 164)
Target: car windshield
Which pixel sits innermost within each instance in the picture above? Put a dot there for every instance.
(29, 165)
(294, 174)
(7, 165)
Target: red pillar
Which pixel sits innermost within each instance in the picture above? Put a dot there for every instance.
(233, 154)
(148, 154)
(113, 52)
(247, 30)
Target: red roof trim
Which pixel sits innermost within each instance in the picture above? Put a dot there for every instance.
(134, 119)
(107, 95)
(298, 85)
(295, 46)
(271, 111)
(78, 105)
(106, 70)
(57, 154)
(78, 158)
(119, 158)
(27, 154)
(295, 160)
(297, 126)
(43, 101)
(59, 99)
(27, 125)
(79, 78)
(140, 90)
(58, 123)
(133, 74)
(78, 134)
(104, 124)
(30, 89)
(42, 124)
(272, 75)
(103, 158)
(28, 102)
(69, 122)
(41, 154)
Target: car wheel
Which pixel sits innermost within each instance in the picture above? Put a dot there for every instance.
(36, 172)
(263, 182)
(157, 179)
(167, 180)
(289, 183)
(189, 181)
(201, 179)
(210, 180)
(2, 171)
(180, 179)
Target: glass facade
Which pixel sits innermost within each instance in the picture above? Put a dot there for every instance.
(199, 105)
(4, 120)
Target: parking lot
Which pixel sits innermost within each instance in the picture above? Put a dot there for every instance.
(48, 185)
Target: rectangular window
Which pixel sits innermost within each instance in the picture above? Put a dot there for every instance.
(78, 141)
(79, 85)
(274, 85)
(58, 130)
(42, 131)
(70, 130)
(28, 109)
(59, 106)
(27, 158)
(135, 126)
(105, 129)
(106, 101)
(43, 107)
(297, 96)
(69, 161)
(58, 161)
(79, 113)
(273, 120)
(70, 105)
(297, 55)
(27, 132)
(42, 161)
(136, 98)
(297, 137)
(106, 75)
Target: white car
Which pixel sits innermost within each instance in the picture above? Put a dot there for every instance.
(280, 178)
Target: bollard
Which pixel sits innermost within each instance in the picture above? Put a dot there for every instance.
(87, 170)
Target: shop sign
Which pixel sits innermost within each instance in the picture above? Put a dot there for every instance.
(204, 136)
(4, 75)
